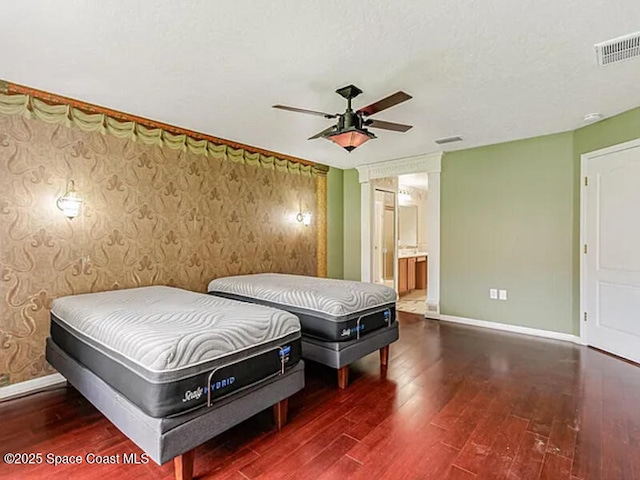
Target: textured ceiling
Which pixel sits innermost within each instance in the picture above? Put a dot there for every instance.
(488, 71)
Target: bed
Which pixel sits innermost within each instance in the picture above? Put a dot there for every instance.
(171, 368)
(341, 320)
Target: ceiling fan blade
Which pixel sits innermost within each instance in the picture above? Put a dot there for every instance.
(322, 133)
(308, 112)
(396, 127)
(385, 103)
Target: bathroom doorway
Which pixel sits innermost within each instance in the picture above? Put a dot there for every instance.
(385, 176)
(384, 242)
(413, 252)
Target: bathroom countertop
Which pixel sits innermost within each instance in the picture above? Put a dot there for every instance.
(411, 255)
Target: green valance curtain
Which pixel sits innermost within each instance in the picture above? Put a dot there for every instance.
(99, 122)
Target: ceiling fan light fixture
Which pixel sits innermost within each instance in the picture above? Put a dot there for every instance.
(350, 131)
(351, 138)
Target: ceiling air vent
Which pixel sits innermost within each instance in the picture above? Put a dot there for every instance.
(619, 49)
(442, 141)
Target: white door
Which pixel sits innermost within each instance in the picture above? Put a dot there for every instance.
(611, 279)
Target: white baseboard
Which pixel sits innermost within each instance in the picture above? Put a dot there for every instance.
(565, 337)
(31, 386)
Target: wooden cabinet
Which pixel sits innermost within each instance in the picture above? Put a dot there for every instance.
(412, 274)
(402, 276)
(421, 273)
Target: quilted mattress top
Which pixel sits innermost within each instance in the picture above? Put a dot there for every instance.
(165, 329)
(334, 297)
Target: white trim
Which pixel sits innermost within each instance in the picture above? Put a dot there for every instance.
(433, 245)
(366, 225)
(369, 272)
(565, 337)
(583, 222)
(430, 163)
(583, 236)
(613, 149)
(32, 386)
(396, 236)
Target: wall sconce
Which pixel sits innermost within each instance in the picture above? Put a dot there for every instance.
(304, 218)
(70, 202)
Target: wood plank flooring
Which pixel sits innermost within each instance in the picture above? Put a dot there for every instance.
(456, 402)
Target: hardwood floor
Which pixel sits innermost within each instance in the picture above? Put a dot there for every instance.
(457, 403)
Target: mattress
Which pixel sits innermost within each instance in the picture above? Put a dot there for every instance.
(328, 309)
(169, 350)
(164, 438)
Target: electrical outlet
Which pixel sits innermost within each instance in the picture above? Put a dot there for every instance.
(493, 293)
(502, 294)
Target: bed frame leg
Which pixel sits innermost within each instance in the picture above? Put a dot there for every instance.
(280, 411)
(343, 377)
(384, 356)
(183, 465)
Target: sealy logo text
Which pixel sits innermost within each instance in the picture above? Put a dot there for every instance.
(194, 394)
(350, 331)
(198, 392)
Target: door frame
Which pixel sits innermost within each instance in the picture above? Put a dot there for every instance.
(395, 231)
(432, 165)
(584, 158)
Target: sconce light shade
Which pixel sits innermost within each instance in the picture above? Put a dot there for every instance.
(304, 218)
(70, 202)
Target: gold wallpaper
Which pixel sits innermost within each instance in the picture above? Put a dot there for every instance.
(151, 215)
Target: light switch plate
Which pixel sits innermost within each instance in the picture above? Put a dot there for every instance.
(502, 294)
(493, 293)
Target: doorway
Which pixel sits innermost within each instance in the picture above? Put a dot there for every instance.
(370, 177)
(610, 264)
(412, 243)
(384, 243)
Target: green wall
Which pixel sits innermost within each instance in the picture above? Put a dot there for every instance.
(335, 223)
(510, 218)
(612, 131)
(507, 223)
(352, 249)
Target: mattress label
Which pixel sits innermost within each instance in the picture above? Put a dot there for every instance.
(347, 332)
(200, 391)
(194, 394)
(220, 384)
(285, 352)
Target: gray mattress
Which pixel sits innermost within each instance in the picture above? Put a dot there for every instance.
(169, 350)
(328, 309)
(164, 438)
(340, 354)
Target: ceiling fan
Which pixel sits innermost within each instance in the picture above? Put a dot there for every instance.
(351, 129)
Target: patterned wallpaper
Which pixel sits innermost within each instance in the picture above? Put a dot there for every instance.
(151, 215)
